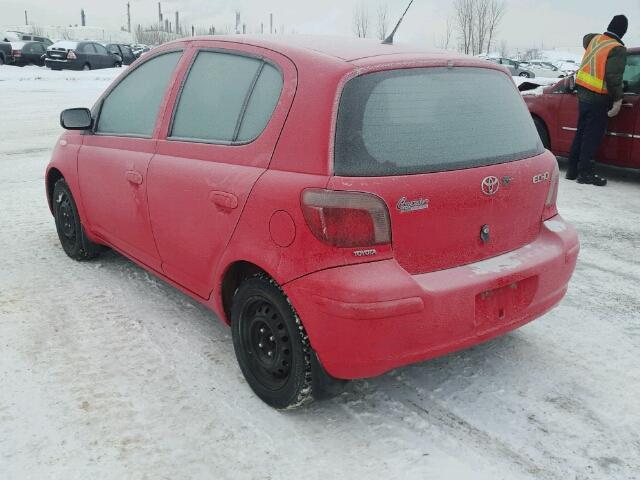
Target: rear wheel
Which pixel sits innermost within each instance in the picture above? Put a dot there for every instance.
(525, 74)
(543, 132)
(117, 65)
(272, 346)
(70, 231)
(1, 60)
(86, 67)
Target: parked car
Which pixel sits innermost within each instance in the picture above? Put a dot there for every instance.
(513, 67)
(140, 49)
(28, 53)
(10, 36)
(338, 238)
(5, 53)
(70, 55)
(543, 69)
(555, 113)
(36, 38)
(123, 51)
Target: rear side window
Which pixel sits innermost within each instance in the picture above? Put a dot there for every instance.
(226, 98)
(100, 49)
(87, 48)
(132, 107)
(422, 120)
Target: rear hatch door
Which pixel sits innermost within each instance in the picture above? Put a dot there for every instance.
(455, 156)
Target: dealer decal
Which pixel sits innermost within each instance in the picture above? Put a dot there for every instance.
(405, 205)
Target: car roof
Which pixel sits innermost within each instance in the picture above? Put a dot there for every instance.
(65, 44)
(348, 49)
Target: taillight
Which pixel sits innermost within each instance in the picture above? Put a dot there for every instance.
(16, 53)
(550, 208)
(346, 219)
(71, 55)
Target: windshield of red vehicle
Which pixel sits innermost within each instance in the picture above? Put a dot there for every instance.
(421, 120)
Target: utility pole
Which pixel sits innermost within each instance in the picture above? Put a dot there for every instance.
(193, 31)
(244, 28)
(262, 27)
(160, 15)
(177, 22)
(83, 18)
(237, 22)
(26, 18)
(166, 24)
(271, 23)
(128, 17)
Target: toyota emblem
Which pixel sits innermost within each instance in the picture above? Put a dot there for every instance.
(490, 185)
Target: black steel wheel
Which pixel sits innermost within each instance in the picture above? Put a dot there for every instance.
(70, 231)
(271, 345)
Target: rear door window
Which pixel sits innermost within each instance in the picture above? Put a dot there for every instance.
(100, 49)
(226, 98)
(632, 74)
(422, 120)
(132, 107)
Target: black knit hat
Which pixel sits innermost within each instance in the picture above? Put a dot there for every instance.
(619, 25)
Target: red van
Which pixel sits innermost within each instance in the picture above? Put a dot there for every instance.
(347, 207)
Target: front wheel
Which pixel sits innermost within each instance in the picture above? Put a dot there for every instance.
(271, 345)
(117, 65)
(70, 231)
(525, 75)
(86, 67)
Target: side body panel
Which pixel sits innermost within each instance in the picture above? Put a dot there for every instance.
(197, 191)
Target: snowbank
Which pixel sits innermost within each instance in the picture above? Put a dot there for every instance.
(33, 73)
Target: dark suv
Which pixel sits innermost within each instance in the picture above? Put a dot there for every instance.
(80, 56)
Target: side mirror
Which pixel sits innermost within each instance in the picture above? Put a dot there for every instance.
(76, 119)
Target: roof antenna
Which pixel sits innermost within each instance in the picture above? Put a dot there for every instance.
(389, 39)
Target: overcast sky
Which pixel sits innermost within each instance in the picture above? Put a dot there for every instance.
(559, 24)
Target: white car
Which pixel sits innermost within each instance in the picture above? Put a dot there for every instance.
(544, 69)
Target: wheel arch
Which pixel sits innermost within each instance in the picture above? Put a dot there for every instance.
(53, 175)
(544, 123)
(233, 276)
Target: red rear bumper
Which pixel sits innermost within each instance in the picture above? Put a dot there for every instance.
(366, 319)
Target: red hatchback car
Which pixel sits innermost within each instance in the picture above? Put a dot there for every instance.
(555, 113)
(347, 207)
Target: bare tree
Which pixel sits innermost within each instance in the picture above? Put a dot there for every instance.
(465, 21)
(445, 41)
(383, 21)
(504, 49)
(481, 25)
(361, 21)
(497, 10)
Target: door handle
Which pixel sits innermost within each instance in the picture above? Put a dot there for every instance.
(225, 200)
(134, 177)
(627, 105)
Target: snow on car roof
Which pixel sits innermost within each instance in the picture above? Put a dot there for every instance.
(64, 44)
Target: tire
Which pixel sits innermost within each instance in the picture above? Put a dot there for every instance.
(1, 60)
(70, 231)
(525, 75)
(86, 67)
(117, 65)
(272, 346)
(543, 132)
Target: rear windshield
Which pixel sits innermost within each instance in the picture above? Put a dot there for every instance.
(421, 120)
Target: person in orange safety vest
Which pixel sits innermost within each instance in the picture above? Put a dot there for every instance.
(600, 91)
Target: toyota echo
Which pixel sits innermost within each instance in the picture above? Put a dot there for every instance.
(347, 207)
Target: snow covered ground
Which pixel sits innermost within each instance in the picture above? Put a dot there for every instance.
(107, 372)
